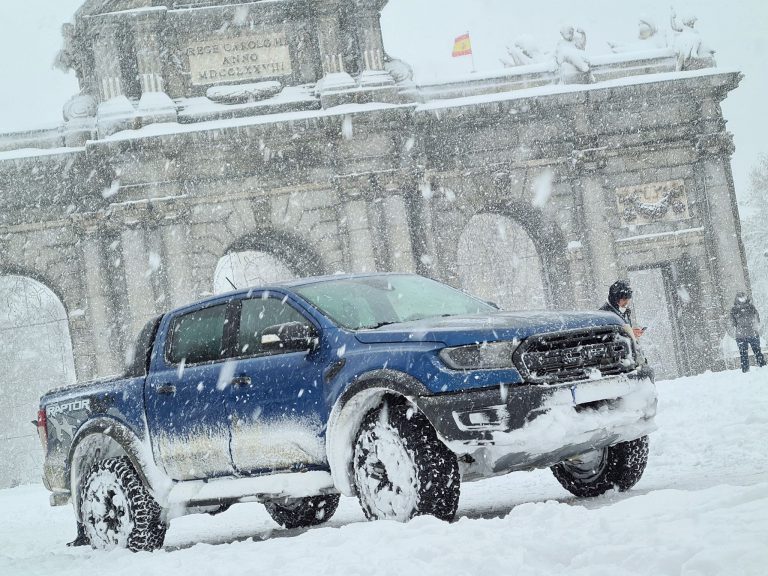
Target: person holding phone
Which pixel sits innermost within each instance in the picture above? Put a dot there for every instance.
(619, 299)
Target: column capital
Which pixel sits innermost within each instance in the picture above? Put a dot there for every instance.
(589, 159)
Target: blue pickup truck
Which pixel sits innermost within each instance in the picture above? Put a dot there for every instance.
(391, 387)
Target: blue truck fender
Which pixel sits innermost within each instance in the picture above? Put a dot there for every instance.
(361, 396)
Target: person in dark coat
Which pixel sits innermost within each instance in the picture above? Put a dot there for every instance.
(746, 325)
(619, 299)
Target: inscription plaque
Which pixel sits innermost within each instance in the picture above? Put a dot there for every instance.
(233, 58)
(656, 202)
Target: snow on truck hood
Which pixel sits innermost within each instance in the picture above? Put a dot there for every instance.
(458, 330)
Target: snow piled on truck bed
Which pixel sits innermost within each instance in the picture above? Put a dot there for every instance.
(700, 509)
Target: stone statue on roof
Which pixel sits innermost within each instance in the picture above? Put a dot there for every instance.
(648, 38)
(692, 53)
(524, 51)
(570, 56)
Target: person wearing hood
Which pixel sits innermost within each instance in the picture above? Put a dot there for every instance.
(619, 298)
(746, 325)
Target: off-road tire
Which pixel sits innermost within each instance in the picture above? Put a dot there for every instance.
(302, 512)
(117, 510)
(620, 466)
(431, 468)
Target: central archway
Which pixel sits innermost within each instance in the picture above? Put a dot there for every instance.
(498, 261)
(35, 356)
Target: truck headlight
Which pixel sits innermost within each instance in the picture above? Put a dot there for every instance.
(482, 356)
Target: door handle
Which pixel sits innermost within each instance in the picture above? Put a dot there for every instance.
(241, 382)
(166, 389)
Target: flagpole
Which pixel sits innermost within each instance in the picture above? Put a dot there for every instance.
(471, 54)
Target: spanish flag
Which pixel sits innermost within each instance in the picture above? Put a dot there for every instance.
(462, 46)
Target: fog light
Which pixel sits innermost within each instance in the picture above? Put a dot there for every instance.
(491, 418)
(479, 418)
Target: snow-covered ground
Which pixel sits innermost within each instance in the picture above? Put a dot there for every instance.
(700, 509)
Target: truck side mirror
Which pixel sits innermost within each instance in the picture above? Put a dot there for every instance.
(289, 337)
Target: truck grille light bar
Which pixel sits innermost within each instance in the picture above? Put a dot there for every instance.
(575, 355)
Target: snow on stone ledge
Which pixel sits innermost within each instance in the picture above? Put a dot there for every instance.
(23, 153)
(240, 93)
(554, 89)
(169, 128)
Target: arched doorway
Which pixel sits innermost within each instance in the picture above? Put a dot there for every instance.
(35, 356)
(265, 257)
(249, 268)
(498, 261)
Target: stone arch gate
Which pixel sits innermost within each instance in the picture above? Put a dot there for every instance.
(128, 207)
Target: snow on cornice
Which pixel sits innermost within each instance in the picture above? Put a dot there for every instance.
(555, 89)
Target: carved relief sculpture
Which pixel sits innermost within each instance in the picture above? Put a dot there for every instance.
(649, 203)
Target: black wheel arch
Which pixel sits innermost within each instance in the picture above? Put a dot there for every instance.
(105, 437)
(364, 393)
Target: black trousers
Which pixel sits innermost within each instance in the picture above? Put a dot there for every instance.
(744, 344)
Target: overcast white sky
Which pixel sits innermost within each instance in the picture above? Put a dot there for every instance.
(422, 32)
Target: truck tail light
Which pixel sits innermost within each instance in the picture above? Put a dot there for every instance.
(42, 427)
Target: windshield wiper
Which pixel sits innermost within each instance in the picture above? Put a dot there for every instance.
(379, 325)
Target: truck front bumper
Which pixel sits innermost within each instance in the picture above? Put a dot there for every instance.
(523, 426)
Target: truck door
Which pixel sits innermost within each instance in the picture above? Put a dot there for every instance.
(186, 395)
(278, 410)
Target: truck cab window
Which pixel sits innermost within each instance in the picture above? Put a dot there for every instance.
(198, 336)
(260, 313)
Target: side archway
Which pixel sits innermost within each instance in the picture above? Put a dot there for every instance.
(264, 258)
(35, 356)
(516, 258)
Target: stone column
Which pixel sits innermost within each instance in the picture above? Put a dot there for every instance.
(82, 350)
(146, 29)
(427, 260)
(714, 171)
(329, 37)
(107, 61)
(360, 243)
(103, 335)
(175, 240)
(583, 294)
(398, 235)
(596, 232)
(141, 298)
(155, 105)
(369, 35)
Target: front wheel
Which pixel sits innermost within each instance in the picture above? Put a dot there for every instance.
(302, 512)
(401, 468)
(117, 510)
(619, 466)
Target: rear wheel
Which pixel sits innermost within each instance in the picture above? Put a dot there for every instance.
(116, 509)
(619, 466)
(401, 468)
(302, 512)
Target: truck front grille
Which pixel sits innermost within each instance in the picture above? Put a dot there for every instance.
(575, 355)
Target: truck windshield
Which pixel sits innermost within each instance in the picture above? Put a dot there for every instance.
(375, 301)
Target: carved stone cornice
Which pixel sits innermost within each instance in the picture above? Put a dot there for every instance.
(715, 144)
